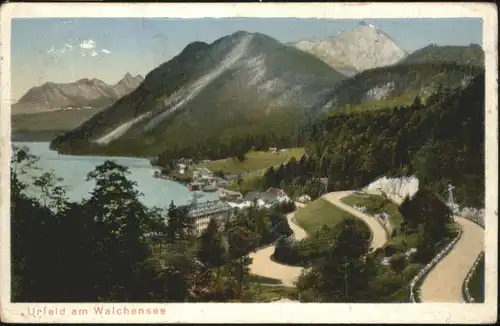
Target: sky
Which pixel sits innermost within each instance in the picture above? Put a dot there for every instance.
(65, 50)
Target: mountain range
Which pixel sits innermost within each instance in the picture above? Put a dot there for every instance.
(249, 86)
(230, 86)
(364, 47)
(82, 93)
(472, 55)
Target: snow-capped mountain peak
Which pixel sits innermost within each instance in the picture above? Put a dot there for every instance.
(364, 47)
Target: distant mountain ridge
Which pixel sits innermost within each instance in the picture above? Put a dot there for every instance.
(365, 47)
(472, 54)
(240, 84)
(397, 84)
(84, 92)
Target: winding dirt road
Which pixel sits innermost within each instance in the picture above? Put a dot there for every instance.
(264, 266)
(444, 282)
(379, 233)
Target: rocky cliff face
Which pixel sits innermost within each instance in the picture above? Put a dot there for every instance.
(82, 93)
(365, 47)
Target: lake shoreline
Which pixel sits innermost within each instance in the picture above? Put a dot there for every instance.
(158, 192)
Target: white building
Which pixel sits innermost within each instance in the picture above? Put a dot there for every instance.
(204, 212)
(203, 174)
(239, 203)
(263, 199)
(181, 167)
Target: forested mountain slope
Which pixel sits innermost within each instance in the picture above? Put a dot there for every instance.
(441, 142)
(397, 85)
(463, 55)
(208, 98)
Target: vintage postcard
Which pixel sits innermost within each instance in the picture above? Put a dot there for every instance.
(293, 163)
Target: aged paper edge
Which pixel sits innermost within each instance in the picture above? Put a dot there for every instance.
(265, 312)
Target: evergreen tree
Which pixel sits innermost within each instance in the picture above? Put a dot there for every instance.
(212, 252)
(241, 243)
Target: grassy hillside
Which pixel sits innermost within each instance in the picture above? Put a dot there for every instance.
(318, 213)
(376, 204)
(254, 161)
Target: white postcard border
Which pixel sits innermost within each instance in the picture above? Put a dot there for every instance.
(265, 312)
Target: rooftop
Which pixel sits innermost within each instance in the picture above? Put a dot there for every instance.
(203, 170)
(265, 196)
(276, 192)
(208, 208)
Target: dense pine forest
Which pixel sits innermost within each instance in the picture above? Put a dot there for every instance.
(441, 142)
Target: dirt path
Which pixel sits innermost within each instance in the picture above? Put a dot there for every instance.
(264, 266)
(378, 231)
(444, 282)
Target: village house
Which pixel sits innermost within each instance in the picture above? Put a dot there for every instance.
(280, 195)
(225, 194)
(181, 167)
(263, 199)
(221, 182)
(239, 203)
(203, 212)
(231, 178)
(203, 174)
(185, 161)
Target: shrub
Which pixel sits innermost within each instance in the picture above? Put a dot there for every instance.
(286, 207)
(392, 248)
(398, 262)
(411, 271)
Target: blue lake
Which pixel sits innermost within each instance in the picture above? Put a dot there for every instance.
(74, 169)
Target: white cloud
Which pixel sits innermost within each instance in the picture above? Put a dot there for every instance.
(87, 44)
(66, 48)
(86, 48)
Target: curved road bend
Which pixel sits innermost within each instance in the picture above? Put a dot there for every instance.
(264, 266)
(379, 233)
(444, 282)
